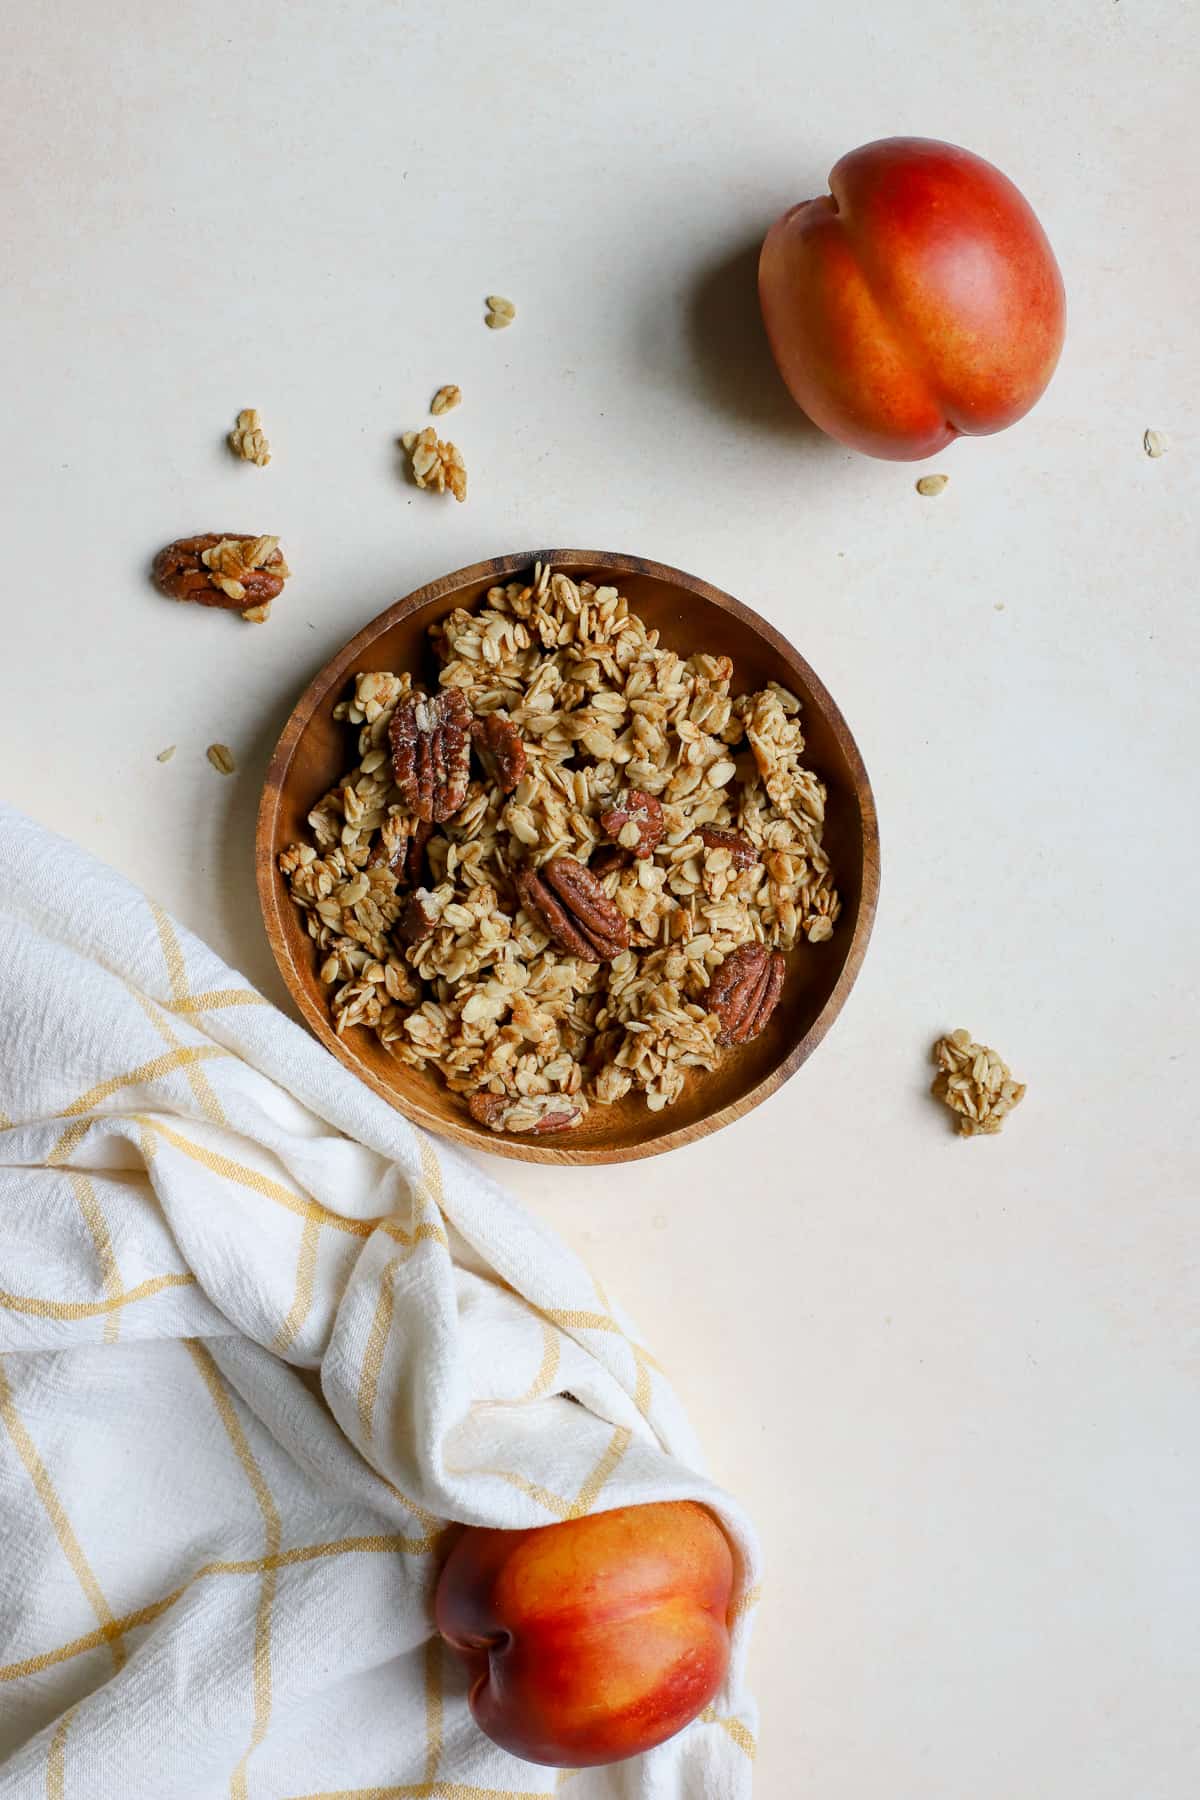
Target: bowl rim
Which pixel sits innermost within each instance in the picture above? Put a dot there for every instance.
(274, 901)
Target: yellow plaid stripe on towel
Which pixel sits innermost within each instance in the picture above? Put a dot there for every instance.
(260, 1340)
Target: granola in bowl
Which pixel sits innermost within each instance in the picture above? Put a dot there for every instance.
(576, 869)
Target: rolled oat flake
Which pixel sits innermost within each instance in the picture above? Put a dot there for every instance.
(221, 758)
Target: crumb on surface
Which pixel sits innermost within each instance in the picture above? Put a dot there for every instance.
(974, 1082)
(500, 312)
(221, 758)
(436, 463)
(248, 440)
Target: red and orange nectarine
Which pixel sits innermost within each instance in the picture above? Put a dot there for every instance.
(594, 1639)
(918, 301)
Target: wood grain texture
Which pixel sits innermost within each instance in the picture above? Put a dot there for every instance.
(315, 750)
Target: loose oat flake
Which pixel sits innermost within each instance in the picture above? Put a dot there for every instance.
(929, 485)
(445, 399)
(165, 755)
(974, 1082)
(421, 929)
(221, 758)
(248, 439)
(1155, 443)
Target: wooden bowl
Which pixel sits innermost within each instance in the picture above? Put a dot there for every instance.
(315, 750)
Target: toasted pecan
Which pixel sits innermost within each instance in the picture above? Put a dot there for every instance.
(635, 822)
(569, 902)
(745, 991)
(430, 738)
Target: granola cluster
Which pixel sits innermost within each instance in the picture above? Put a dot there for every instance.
(248, 440)
(976, 1083)
(240, 574)
(435, 462)
(573, 872)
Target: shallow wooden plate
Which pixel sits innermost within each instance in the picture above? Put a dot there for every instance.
(690, 615)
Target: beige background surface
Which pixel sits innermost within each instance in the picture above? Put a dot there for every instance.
(956, 1383)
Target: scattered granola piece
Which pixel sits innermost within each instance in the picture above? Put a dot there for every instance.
(1155, 443)
(974, 1082)
(242, 574)
(500, 312)
(248, 440)
(436, 464)
(445, 399)
(221, 758)
(165, 755)
(929, 485)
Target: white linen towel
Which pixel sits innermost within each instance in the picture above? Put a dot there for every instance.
(260, 1339)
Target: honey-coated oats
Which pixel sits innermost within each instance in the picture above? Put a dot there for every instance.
(439, 954)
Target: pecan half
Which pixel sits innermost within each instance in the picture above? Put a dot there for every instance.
(221, 569)
(536, 1115)
(635, 821)
(607, 860)
(407, 859)
(741, 850)
(416, 923)
(745, 991)
(568, 900)
(499, 748)
(430, 738)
